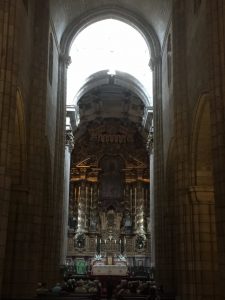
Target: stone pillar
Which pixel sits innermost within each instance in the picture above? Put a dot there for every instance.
(8, 68)
(194, 229)
(217, 38)
(202, 243)
(185, 282)
(156, 65)
(152, 209)
(65, 211)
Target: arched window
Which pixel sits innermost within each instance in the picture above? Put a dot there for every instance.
(108, 45)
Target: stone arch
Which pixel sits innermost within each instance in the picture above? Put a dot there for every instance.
(201, 148)
(117, 13)
(152, 41)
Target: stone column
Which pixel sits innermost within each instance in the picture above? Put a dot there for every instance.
(194, 229)
(185, 282)
(8, 68)
(65, 211)
(159, 244)
(217, 42)
(152, 204)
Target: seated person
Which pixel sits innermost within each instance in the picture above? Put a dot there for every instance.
(57, 289)
(42, 289)
(80, 288)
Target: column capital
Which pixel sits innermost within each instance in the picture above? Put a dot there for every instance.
(155, 61)
(65, 59)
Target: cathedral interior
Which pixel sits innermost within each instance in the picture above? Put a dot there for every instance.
(118, 179)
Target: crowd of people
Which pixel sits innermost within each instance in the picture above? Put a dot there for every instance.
(69, 287)
(147, 288)
(109, 290)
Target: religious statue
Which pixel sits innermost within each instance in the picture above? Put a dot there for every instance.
(80, 240)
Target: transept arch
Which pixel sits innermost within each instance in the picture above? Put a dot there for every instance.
(114, 12)
(136, 186)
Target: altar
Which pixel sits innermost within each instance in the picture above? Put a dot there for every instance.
(109, 266)
(109, 270)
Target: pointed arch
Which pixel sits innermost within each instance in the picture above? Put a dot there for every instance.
(201, 147)
(19, 149)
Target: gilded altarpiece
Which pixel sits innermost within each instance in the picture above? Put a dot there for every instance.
(109, 192)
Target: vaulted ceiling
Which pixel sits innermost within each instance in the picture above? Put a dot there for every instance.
(154, 12)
